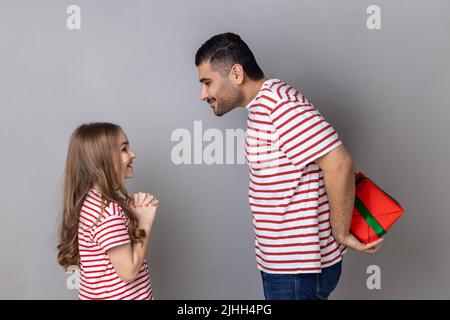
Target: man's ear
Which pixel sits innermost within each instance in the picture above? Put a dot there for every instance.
(237, 74)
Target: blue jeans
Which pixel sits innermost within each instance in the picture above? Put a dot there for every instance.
(301, 286)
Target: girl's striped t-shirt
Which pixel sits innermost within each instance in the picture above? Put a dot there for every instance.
(287, 196)
(98, 278)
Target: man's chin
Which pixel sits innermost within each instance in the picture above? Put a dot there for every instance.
(220, 113)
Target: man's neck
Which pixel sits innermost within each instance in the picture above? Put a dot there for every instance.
(251, 90)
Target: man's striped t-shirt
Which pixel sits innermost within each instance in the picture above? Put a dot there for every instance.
(287, 196)
(98, 278)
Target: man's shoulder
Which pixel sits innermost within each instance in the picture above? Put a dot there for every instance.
(275, 93)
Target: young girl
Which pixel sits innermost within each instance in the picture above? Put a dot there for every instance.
(104, 231)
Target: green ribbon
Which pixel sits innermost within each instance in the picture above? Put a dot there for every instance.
(365, 213)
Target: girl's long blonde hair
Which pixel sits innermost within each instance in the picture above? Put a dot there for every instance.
(93, 157)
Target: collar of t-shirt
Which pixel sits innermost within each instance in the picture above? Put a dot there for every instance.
(265, 85)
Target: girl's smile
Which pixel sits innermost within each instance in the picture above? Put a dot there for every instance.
(127, 156)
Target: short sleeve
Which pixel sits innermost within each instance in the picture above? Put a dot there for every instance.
(111, 232)
(303, 133)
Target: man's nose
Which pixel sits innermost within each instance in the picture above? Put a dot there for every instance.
(203, 94)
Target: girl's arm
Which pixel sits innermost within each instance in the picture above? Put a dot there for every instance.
(126, 259)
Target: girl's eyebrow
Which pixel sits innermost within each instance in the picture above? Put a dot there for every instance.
(126, 142)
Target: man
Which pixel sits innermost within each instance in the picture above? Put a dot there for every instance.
(302, 183)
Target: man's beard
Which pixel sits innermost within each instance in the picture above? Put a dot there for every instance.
(230, 98)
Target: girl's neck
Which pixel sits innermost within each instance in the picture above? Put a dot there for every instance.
(95, 187)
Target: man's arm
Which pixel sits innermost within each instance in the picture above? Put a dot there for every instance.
(339, 178)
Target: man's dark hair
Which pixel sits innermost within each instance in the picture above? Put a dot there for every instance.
(224, 50)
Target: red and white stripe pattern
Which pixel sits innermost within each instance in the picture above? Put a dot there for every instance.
(288, 200)
(98, 278)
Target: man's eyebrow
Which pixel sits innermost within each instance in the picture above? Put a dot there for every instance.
(202, 80)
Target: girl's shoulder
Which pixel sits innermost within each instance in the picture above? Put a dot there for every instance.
(114, 209)
(95, 211)
(95, 204)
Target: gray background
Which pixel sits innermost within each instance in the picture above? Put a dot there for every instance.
(132, 63)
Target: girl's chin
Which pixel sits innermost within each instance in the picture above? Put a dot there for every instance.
(129, 175)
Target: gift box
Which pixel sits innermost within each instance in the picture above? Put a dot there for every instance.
(374, 212)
